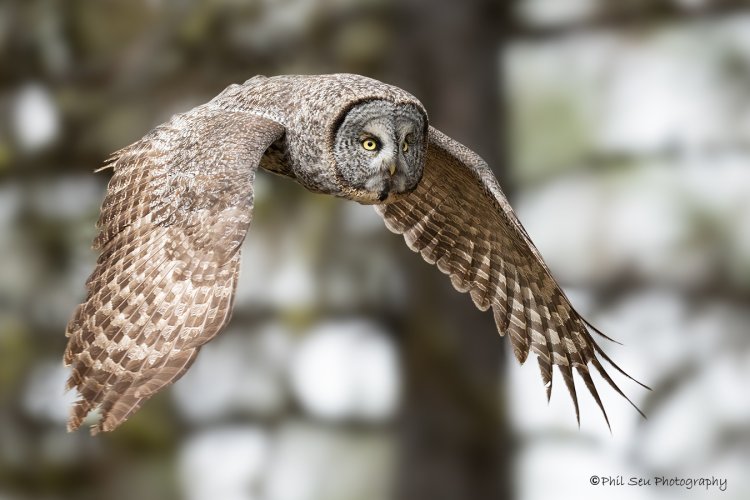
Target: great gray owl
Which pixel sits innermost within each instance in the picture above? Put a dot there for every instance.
(180, 202)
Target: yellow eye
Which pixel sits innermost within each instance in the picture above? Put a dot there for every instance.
(370, 144)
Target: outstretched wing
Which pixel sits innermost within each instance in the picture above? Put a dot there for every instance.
(177, 209)
(459, 219)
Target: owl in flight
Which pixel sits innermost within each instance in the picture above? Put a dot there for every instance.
(180, 202)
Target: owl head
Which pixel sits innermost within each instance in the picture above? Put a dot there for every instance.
(379, 150)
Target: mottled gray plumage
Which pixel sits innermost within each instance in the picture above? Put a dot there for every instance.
(180, 202)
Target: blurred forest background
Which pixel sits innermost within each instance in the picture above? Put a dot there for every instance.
(351, 369)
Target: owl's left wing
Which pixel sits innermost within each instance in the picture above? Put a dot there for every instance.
(459, 219)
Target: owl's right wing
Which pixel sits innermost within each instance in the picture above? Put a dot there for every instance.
(459, 219)
(177, 209)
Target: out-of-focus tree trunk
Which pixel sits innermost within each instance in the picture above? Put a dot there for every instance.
(454, 438)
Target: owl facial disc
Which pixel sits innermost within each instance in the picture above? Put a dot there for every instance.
(379, 150)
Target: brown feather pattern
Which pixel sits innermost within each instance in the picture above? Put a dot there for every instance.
(170, 229)
(459, 219)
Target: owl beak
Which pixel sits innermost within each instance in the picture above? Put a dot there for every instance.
(392, 168)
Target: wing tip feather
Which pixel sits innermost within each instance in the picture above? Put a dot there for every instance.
(599, 332)
(584, 373)
(609, 360)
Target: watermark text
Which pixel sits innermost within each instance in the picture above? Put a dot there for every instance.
(687, 483)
